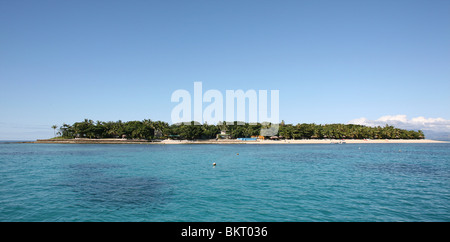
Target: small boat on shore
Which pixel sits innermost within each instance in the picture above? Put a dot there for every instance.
(338, 142)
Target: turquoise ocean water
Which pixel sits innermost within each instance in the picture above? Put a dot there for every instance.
(349, 182)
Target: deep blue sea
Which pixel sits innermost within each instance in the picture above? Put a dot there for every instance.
(348, 182)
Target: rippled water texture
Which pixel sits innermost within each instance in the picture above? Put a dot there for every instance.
(350, 182)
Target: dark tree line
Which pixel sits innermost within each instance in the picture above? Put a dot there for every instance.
(346, 131)
(148, 129)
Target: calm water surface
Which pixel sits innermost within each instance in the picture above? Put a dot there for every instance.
(350, 182)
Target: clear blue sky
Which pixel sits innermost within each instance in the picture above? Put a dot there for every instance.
(333, 61)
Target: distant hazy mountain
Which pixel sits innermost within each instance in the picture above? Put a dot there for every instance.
(435, 135)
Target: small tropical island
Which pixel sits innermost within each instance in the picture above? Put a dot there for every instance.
(148, 131)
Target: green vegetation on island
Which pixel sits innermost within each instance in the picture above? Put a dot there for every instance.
(148, 130)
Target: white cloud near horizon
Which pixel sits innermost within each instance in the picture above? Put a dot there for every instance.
(401, 121)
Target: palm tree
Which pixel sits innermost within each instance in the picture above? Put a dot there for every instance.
(54, 127)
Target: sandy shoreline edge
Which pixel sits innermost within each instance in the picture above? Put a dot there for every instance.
(325, 141)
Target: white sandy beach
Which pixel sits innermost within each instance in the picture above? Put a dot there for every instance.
(310, 141)
(234, 141)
